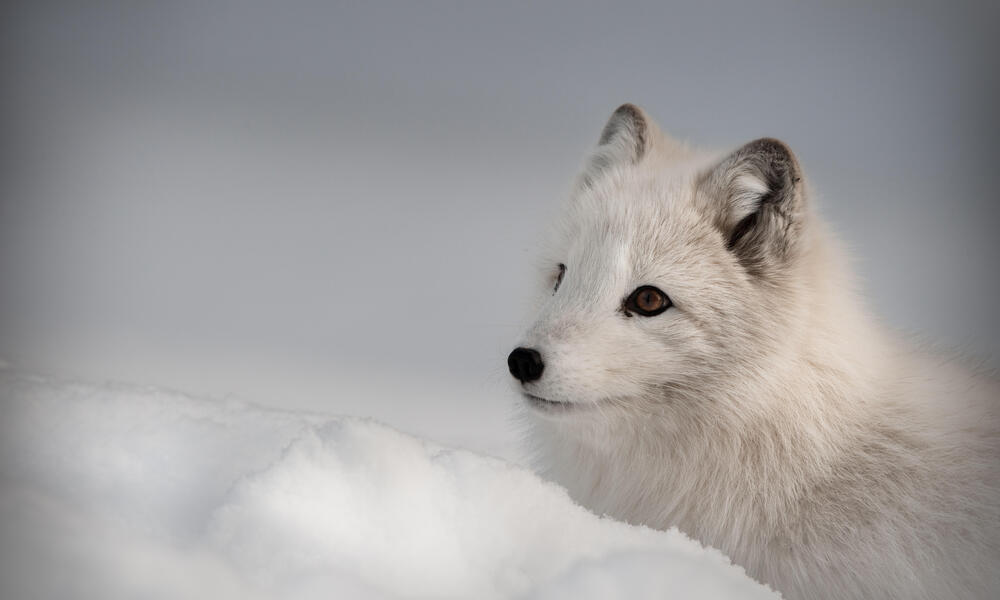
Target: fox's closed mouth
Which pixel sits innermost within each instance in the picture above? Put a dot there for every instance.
(550, 406)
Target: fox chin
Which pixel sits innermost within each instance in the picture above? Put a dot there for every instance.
(700, 359)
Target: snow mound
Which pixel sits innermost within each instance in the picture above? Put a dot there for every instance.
(113, 491)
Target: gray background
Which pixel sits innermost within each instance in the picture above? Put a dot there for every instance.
(336, 206)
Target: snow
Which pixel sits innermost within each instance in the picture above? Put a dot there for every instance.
(116, 491)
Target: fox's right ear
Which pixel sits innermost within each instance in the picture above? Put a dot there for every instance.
(624, 140)
(626, 135)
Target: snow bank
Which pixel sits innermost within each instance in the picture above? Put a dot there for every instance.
(113, 491)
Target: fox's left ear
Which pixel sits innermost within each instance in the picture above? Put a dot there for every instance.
(756, 198)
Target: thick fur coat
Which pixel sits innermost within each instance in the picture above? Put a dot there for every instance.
(763, 412)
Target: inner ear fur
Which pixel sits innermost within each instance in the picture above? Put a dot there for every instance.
(758, 202)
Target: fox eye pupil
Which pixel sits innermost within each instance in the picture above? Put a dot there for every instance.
(559, 277)
(647, 301)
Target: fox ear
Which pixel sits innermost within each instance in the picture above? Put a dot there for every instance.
(624, 140)
(759, 203)
(626, 134)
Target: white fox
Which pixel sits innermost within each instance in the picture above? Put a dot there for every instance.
(700, 360)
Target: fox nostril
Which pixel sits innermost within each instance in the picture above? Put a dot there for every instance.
(525, 364)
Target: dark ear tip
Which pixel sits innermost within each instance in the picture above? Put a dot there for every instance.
(775, 152)
(628, 110)
(770, 145)
(626, 118)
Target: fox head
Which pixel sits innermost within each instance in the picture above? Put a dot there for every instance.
(673, 273)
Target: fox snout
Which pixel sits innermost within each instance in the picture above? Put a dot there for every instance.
(525, 364)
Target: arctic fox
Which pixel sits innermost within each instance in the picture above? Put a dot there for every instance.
(700, 360)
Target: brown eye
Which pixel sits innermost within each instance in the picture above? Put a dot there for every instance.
(647, 301)
(559, 277)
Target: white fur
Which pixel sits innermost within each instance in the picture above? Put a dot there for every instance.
(769, 417)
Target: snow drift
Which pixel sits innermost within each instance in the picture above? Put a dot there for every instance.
(111, 491)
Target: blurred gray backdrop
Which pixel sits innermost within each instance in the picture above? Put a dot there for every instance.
(336, 205)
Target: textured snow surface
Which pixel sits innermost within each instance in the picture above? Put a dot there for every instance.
(110, 491)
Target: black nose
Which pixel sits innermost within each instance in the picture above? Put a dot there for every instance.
(525, 364)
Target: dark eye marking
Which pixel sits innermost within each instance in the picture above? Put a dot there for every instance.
(559, 277)
(647, 301)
